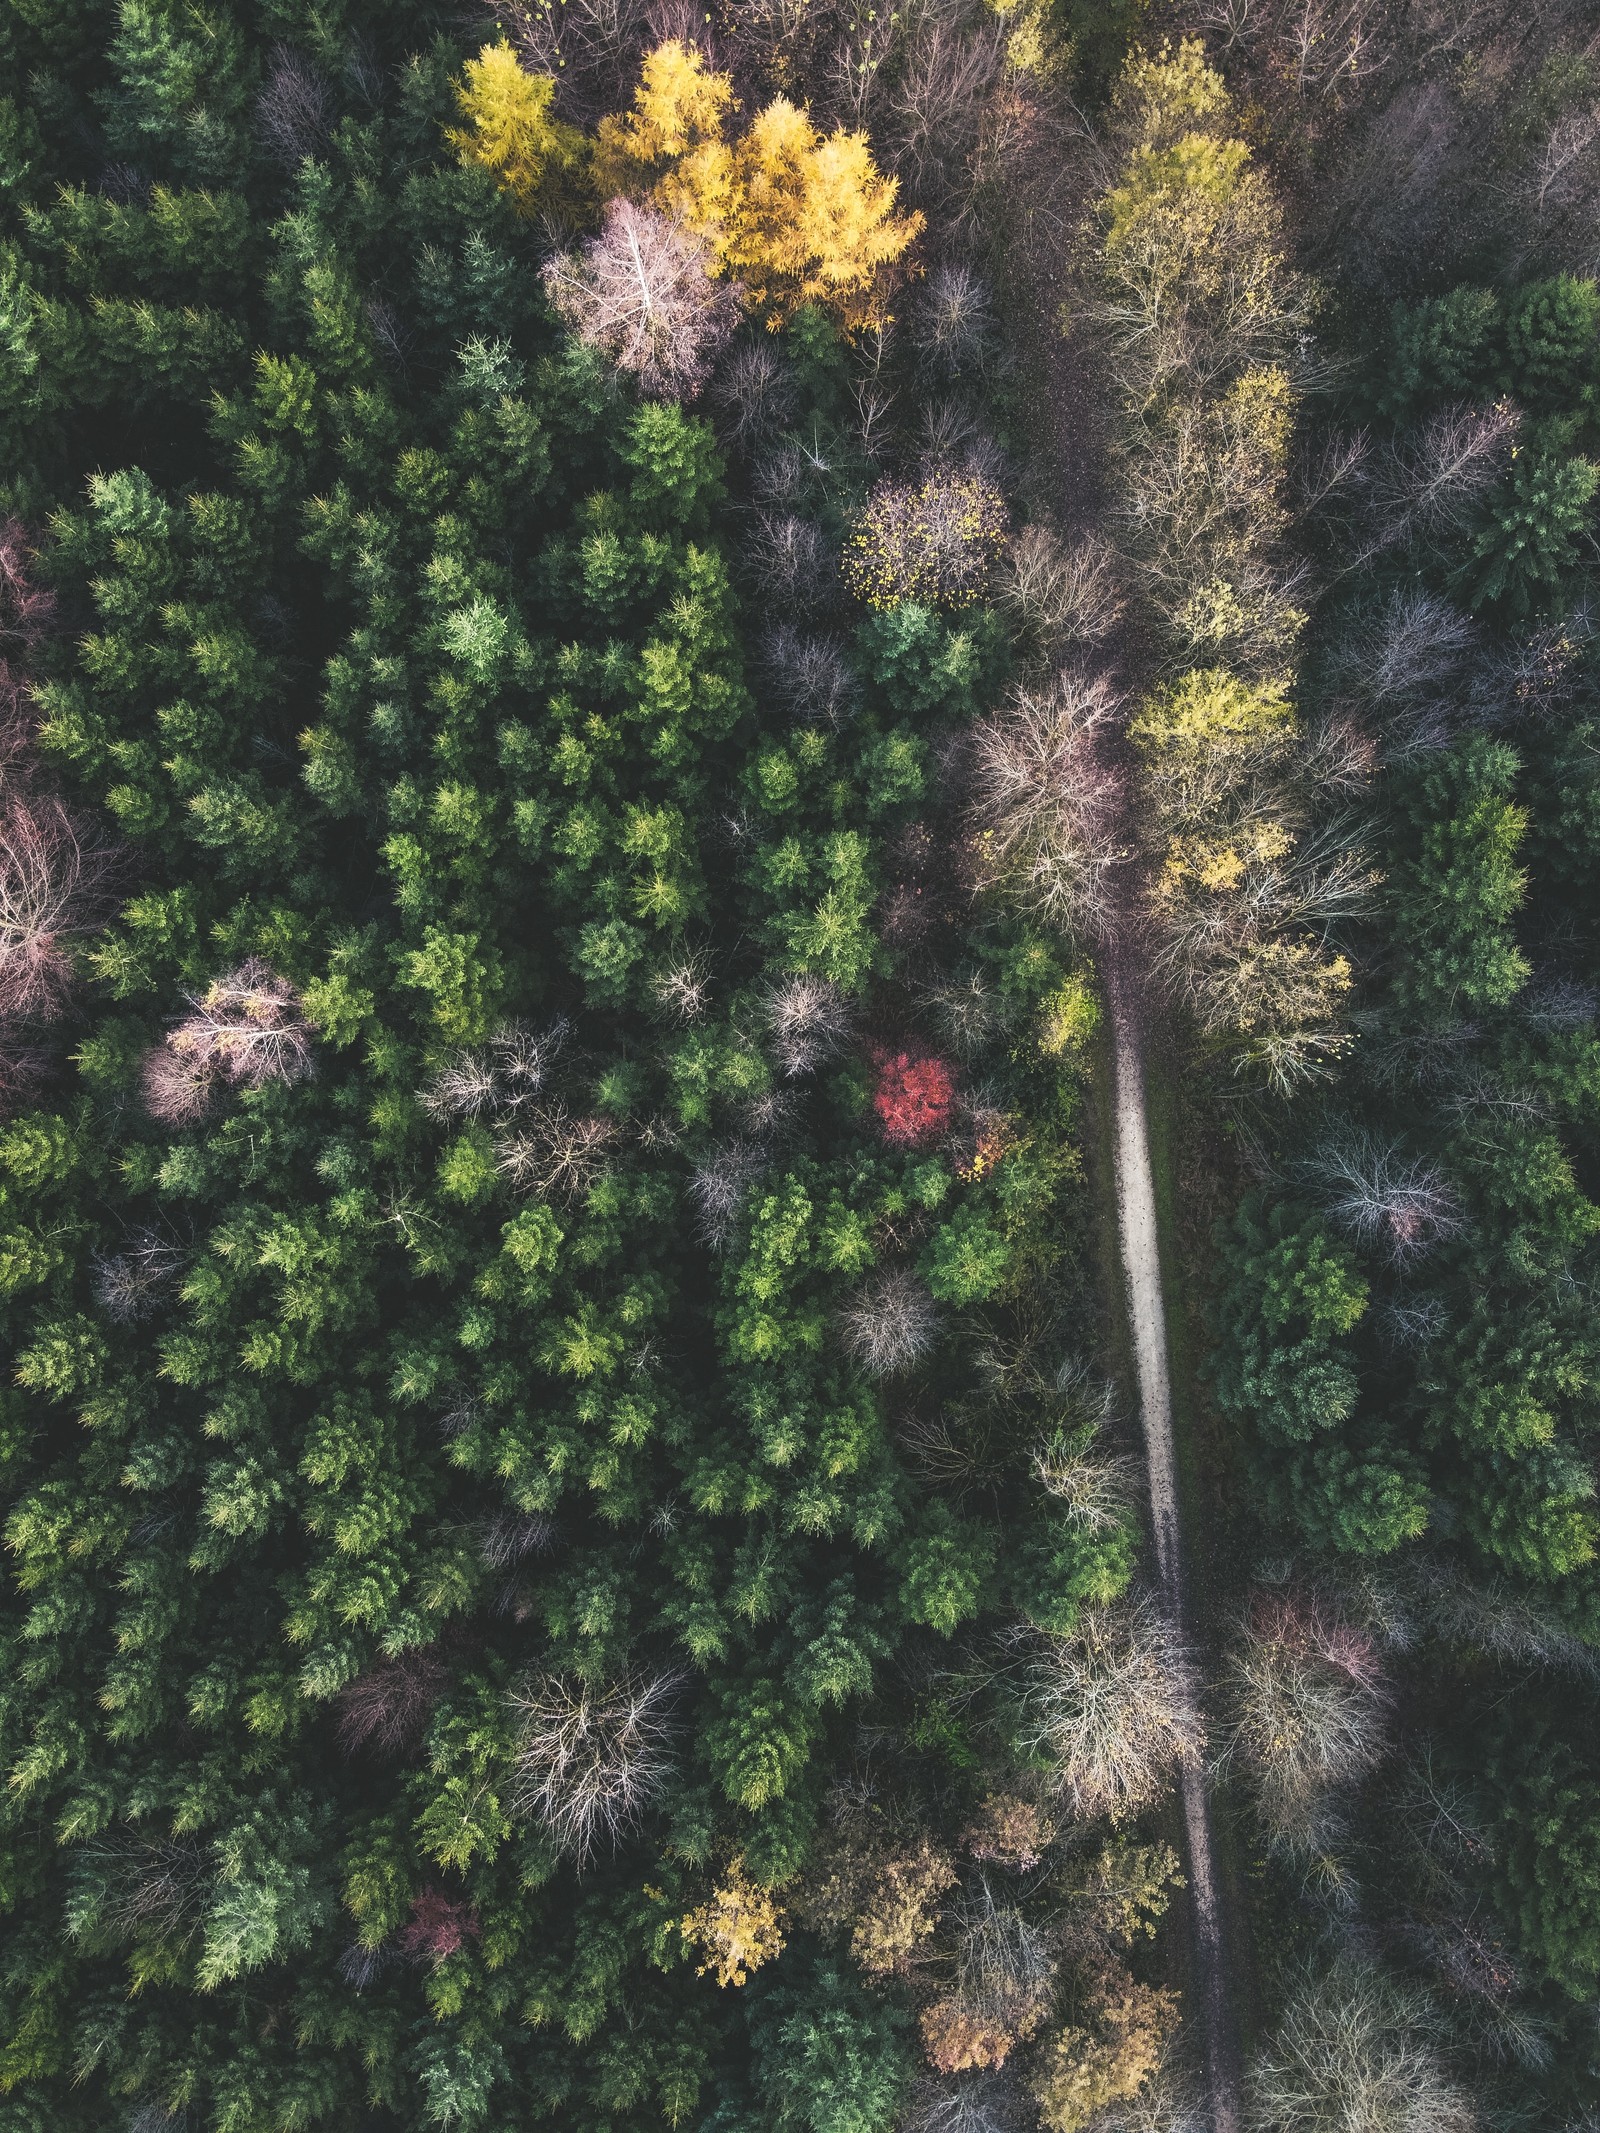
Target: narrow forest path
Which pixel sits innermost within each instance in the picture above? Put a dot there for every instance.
(1141, 1264)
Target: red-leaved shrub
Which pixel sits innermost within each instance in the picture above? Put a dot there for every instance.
(440, 1924)
(915, 1097)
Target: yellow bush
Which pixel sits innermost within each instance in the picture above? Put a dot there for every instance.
(1071, 1015)
(675, 131)
(815, 222)
(1212, 712)
(509, 129)
(739, 1929)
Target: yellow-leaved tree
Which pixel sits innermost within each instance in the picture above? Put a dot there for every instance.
(508, 126)
(1204, 323)
(675, 134)
(796, 216)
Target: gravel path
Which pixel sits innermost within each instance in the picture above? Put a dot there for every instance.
(1141, 1262)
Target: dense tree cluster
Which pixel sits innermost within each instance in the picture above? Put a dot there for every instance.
(1405, 1325)
(550, 1527)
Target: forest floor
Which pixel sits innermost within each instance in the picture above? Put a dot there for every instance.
(1140, 1239)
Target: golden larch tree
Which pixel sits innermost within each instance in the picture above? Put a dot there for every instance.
(509, 128)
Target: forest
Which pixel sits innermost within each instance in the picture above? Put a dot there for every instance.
(800, 1066)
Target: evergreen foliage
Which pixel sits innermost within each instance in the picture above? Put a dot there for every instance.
(485, 1187)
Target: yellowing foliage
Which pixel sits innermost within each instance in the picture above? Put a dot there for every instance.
(796, 216)
(1212, 711)
(1195, 169)
(739, 1929)
(679, 117)
(509, 129)
(1081, 2071)
(815, 222)
(1168, 93)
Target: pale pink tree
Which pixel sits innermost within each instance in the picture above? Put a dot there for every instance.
(642, 290)
(53, 870)
(246, 1029)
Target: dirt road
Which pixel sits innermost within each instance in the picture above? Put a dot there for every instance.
(1141, 1262)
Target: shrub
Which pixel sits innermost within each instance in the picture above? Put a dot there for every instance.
(914, 1096)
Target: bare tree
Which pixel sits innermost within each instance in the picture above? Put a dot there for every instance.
(642, 290)
(510, 1537)
(1004, 1969)
(23, 1066)
(1047, 801)
(809, 1018)
(1094, 1489)
(53, 875)
(1401, 1205)
(590, 1762)
(157, 1887)
(720, 1184)
(754, 393)
(554, 1152)
(969, 2103)
(1430, 481)
(245, 1029)
(293, 109)
(387, 1707)
(811, 676)
(27, 609)
(590, 47)
(1311, 1712)
(179, 1091)
(937, 104)
(1352, 2055)
(891, 1324)
(954, 319)
(683, 988)
(463, 1086)
(1061, 596)
(127, 1284)
(502, 1075)
(1113, 1709)
(790, 561)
